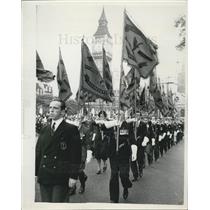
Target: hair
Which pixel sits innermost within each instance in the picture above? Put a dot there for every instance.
(102, 112)
(63, 104)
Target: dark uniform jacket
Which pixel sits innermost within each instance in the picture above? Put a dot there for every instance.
(142, 131)
(126, 139)
(86, 135)
(109, 140)
(58, 154)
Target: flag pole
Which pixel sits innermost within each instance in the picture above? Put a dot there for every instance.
(80, 81)
(147, 99)
(121, 69)
(101, 100)
(135, 134)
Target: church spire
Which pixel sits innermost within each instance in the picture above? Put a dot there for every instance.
(102, 27)
(103, 20)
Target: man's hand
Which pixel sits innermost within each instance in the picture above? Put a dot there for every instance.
(89, 156)
(145, 141)
(94, 135)
(153, 141)
(72, 182)
(134, 152)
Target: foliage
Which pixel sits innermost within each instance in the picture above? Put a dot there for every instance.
(180, 24)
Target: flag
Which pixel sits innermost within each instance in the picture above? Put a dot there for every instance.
(107, 75)
(156, 93)
(151, 105)
(129, 87)
(62, 80)
(170, 100)
(124, 96)
(171, 106)
(91, 80)
(132, 80)
(42, 74)
(134, 100)
(165, 99)
(138, 50)
(143, 98)
(84, 97)
(72, 107)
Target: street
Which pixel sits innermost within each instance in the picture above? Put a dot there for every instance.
(162, 182)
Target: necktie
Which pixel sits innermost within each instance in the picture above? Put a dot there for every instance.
(53, 127)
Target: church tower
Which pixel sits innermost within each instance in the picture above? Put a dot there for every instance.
(102, 38)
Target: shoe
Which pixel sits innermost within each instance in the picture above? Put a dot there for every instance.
(104, 168)
(72, 190)
(98, 172)
(111, 201)
(140, 175)
(85, 179)
(82, 187)
(125, 193)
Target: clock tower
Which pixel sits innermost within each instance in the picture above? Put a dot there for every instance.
(102, 38)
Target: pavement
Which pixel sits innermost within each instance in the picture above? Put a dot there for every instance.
(162, 182)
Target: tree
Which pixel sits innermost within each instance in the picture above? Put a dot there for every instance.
(180, 24)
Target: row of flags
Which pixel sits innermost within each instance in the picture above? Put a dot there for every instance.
(91, 80)
(139, 52)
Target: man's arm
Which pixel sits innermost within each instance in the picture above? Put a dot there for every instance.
(108, 124)
(37, 156)
(75, 154)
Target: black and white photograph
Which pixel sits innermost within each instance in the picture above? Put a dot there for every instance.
(105, 104)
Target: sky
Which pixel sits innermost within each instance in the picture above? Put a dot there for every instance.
(64, 25)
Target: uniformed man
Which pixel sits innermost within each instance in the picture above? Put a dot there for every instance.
(151, 143)
(165, 138)
(58, 155)
(157, 146)
(120, 160)
(142, 140)
(134, 163)
(161, 137)
(86, 134)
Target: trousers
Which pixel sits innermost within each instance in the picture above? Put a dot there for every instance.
(54, 193)
(134, 169)
(161, 146)
(120, 169)
(141, 159)
(156, 151)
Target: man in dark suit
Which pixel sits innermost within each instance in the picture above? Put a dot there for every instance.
(120, 161)
(58, 155)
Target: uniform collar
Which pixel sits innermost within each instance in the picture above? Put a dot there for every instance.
(57, 123)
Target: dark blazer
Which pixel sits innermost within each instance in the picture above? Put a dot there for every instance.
(58, 154)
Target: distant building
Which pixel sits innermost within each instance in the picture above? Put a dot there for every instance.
(44, 89)
(181, 82)
(181, 99)
(39, 90)
(44, 94)
(102, 38)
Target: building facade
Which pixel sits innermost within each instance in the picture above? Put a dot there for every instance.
(44, 94)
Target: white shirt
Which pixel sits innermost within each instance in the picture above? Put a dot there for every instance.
(75, 122)
(57, 123)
